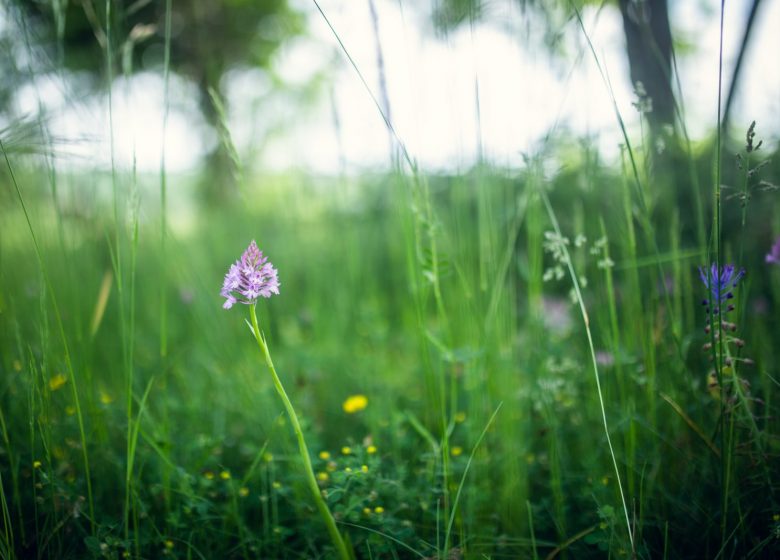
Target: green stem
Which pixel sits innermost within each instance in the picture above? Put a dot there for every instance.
(330, 523)
(164, 183)
(725, 473)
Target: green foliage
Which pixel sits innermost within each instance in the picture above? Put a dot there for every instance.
(208, 37)
(447, 301)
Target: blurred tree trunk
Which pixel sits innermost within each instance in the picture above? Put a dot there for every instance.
(649, 49)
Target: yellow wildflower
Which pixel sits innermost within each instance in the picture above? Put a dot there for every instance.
(169, 544)
(364, 468)
(457, 450)
(367, 511)
(371, 449)
(243, 491)
(57, 381)
(224, 475)
(323, 476)
(346, 450)
(105, 398)
(324, 455)
(355, 403)
(379, 510)
(209, 475)
(36, 464)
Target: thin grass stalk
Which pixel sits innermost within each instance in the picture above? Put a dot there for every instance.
(112, 148)
(126, 336)
(718, 349)
(13, 460)
(7, 524)
(556, 476)
(131, 437)
(164, 184)
(266, 510)
(380, 64)
(31, 425)
(531, 530)
(44, 427)
(128, 339)
(677, 273)
(484, 208)
(744, 204)
(274, 507)
(434, 278)
(8, 531)
(635, 305)
(586, 321)
(626, 403)
(132, 443)
(463, 478)
(41, 384)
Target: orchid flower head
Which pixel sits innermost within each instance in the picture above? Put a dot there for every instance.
(250, 277)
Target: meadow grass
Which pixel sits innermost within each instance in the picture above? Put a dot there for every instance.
(529, 342)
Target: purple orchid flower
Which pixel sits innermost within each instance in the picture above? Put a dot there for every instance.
(249, 278)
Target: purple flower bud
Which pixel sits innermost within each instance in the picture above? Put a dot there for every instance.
(250, 277)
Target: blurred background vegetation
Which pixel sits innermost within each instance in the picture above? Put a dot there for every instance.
(136, 417)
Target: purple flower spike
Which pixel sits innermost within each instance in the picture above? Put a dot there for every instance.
(720, 281)
(249, 278)
(774, 255)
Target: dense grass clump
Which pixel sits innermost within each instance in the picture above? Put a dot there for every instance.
(448, 307)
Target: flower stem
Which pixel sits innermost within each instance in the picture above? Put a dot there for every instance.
(330, 523)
